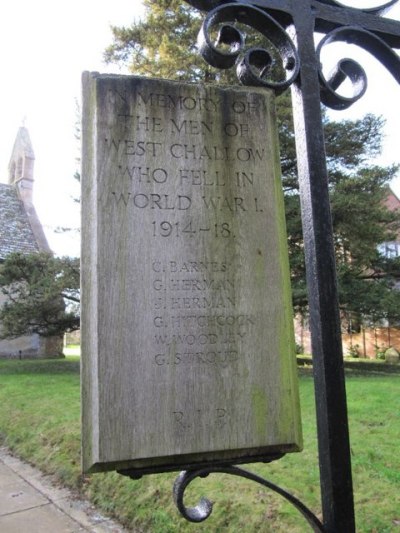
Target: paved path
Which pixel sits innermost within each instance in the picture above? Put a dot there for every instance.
(29, 503)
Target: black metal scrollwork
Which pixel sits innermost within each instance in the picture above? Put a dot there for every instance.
(348, 68)
(255, 65)
(378, 10)
(204, 508)
(206, 5)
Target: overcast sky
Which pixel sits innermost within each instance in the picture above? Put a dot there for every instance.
(46, 45)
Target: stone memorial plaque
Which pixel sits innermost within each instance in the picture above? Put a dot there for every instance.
(187, 330)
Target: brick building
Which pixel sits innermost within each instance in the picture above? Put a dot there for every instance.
(21, 231)
(368, 340)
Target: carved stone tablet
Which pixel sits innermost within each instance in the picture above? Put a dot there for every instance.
(187, 333)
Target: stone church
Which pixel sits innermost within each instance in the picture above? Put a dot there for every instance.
(21, 231)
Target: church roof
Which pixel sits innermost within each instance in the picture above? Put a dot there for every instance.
(15, 230)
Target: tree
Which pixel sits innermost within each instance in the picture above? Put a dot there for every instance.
(42, 295)
(163, 45)
(361, 220)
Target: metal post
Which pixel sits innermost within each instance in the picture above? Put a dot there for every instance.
(330, 394)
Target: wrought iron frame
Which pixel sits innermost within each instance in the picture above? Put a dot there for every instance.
(290, 26)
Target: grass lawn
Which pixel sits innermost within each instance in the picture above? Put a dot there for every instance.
(39, 421)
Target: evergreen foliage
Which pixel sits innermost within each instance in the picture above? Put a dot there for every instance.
(42, 295)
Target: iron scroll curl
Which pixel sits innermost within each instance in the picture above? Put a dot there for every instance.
(203, 510)
(350, 69)
(254, 65)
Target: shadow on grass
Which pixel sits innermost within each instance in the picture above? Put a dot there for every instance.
(69, 365)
